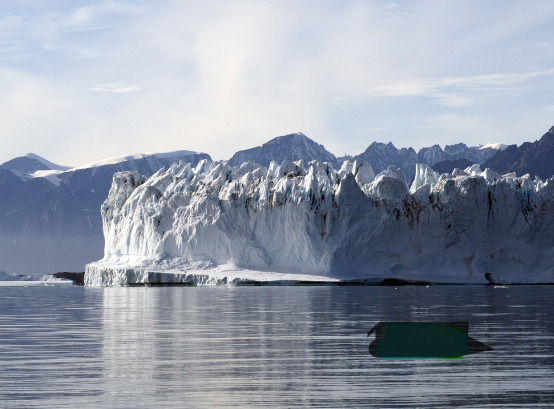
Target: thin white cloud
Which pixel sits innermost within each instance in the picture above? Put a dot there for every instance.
(84, 15)
(454, 100)
(498, 80)
(53, 29)
(117, 88)
(445, 89)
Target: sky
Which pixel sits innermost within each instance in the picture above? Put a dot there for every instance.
(81, 81)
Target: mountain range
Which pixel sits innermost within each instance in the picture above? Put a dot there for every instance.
(535, 158)
(50, 218)
(298, 146)
(49, 214)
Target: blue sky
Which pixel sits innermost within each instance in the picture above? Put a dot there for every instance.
(81, 81)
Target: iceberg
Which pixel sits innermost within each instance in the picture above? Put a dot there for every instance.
(12, 280)
(295, 222)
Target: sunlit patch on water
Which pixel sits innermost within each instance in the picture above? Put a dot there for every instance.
(218, 347)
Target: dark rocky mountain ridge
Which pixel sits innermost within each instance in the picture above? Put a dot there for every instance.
(293, 147)
(535, 158)
(447, 166)
(379, 155)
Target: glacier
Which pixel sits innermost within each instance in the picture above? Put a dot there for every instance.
(298, 222)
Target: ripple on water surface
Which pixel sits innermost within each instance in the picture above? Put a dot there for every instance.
(267, 347)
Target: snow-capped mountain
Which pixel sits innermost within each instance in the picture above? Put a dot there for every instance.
(467, 226)
(497, 146)
(30, 163)
(535, 158)
(50, 214)
(294, 147)
(476, 154)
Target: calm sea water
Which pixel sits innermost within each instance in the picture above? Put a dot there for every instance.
(218, 347)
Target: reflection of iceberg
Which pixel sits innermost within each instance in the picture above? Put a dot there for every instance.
(315, 221)
(219, 347)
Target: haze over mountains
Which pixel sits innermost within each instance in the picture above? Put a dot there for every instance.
(50, 214)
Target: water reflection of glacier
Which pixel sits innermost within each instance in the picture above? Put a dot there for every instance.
(176, 347)
(202, 340)
(307, 346)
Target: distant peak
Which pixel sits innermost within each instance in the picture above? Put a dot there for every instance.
(297, 134)
(46, 162)
(291, 136)
(33, 156)
(125, 158)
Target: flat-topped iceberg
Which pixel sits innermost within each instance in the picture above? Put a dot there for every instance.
(310, 219)
(12, 280)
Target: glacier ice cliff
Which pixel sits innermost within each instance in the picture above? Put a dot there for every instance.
(468, 226)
